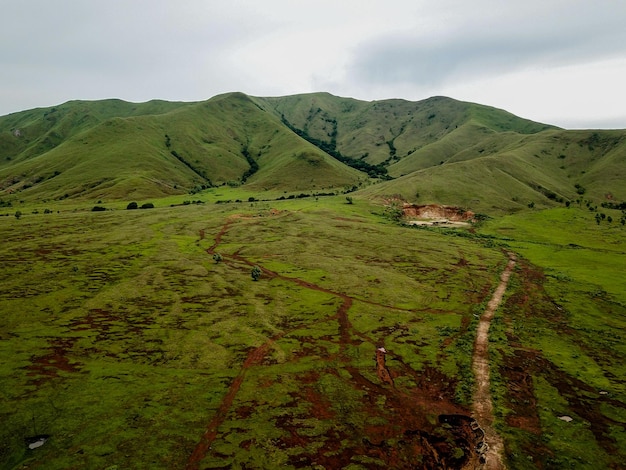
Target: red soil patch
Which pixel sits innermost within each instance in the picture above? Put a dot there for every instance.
(381, 367)
(48, 366)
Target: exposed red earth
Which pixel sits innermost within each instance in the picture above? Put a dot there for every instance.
(437, 212)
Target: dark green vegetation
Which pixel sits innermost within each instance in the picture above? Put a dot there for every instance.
(149, 338)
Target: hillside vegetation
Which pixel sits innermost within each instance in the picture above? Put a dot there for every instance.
(276, 306)
(437, 150)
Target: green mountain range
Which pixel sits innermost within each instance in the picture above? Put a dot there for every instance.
(438, 150)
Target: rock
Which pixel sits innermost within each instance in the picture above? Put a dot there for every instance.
(37, 441)
(566, 418)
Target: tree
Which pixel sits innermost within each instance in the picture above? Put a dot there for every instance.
(256, 273)
(217, 257)
(18, 214)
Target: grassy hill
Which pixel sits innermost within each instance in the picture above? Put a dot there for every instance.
(391, 131)
(119, 150)
(438, 150)
(512, 171)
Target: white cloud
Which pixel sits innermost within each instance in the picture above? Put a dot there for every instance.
(483, 51)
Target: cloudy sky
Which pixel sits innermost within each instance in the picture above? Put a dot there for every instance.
(557, 61)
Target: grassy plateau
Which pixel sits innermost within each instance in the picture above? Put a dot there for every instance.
(127, 345)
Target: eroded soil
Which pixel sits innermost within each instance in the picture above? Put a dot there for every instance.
(436, 215)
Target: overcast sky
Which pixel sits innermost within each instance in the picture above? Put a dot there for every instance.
(561, 62)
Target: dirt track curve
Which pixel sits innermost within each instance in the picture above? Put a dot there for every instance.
(482, 408)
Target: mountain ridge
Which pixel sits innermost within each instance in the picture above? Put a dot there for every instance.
(113, 149)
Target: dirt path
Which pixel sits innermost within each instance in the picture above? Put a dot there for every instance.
(482, 408)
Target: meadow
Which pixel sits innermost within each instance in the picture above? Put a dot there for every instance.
(128, 345)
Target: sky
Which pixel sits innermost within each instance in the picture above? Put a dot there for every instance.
(560, 62)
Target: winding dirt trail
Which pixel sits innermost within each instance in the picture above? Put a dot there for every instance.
(482, 408)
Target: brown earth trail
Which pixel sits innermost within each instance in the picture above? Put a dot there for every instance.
(482, 408)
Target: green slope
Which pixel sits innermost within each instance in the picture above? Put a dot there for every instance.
(157, 149)
(31, 133)
(439, 150)
(392, 131)
(544, 169)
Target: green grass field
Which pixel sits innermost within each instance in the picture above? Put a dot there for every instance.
(126, 343)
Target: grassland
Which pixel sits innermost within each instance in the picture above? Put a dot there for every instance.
(113, 150)
(125, 342)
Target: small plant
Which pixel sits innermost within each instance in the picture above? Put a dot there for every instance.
(256, 273)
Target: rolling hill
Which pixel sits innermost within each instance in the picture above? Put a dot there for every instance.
(438, 150)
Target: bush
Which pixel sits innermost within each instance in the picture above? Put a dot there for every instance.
(98, 209)
(147, 205)
(132, 205)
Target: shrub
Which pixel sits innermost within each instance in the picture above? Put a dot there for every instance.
(98, 209)
(147, 205)
(132, 205)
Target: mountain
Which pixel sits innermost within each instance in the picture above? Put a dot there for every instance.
(436, 150)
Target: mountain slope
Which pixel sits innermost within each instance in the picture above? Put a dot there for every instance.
(156, 150)
(392, 131)
(544, 169)
(439, 150)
